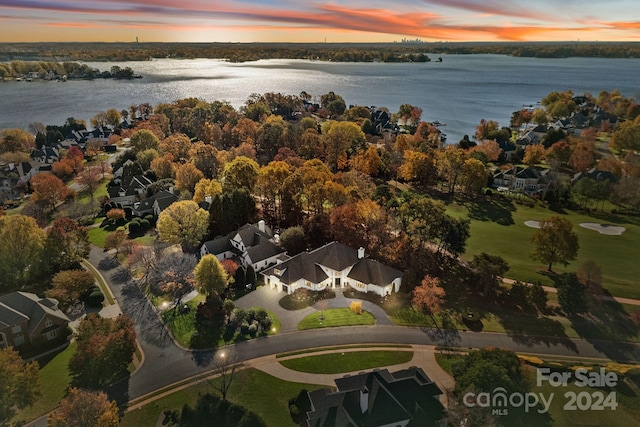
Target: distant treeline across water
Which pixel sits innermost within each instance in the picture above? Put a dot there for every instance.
(342, 52)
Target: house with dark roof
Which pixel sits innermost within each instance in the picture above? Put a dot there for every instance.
(406, 398)
(25, 319)
(251, 244)
(127, 194)
(155, 204)
(46, 155)
(333, 265)
(596, 175)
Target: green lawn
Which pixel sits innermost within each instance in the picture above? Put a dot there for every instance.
(248, 389)
(627, 396)
(54, 380)
(349, 361)
(189, 334)
(336, 317)
(501, 223)
(103, 285)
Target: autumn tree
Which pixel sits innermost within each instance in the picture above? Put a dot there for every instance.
(211, 278)
(429, 297)
(473, 177)
(340, 139)
(187, 176)
(115, 240)
(172, 275)
(49, 189)
(67, 244)
(626, 136)
(582, 157)
(184, 223)
(12, 140)
(361, 223)
(164, 167)
(178, 145)
(90, 179)
(21, 249)
(449, 163)
(555, 242)
(19, 383)
(271, 179)
(534, 154)
(143, 140)
(85, 408)
(425, 222)
(204, 157)
(206, 188)
(490, 148)
(240, 173)
(105, 350)
(69, 286)
(418, 168)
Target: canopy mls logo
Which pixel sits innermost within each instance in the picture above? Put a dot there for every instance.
(500, 401)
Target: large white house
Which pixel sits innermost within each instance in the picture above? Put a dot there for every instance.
(251, 244)
(333, 266)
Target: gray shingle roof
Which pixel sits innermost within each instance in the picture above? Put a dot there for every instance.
(370, 271)
(28, 305)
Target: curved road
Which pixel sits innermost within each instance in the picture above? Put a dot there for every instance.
(165, 363)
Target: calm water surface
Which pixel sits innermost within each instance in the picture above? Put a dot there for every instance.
(459, 91)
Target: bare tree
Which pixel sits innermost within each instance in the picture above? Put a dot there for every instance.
(226, 364)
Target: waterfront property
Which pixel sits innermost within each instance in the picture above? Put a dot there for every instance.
(333, 266)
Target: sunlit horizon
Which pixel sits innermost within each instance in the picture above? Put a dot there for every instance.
(316, 21)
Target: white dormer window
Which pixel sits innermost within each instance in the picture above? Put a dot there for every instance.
(277, 272)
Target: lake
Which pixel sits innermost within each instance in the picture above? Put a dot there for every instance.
(459, 91)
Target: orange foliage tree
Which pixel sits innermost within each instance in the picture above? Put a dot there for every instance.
(429, 296)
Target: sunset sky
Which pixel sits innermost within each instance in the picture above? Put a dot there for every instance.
(317, 21)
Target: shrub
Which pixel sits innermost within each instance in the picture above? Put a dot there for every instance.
(244, 328)
(95, 299)
(240, 315)
(145, 225)
(253, 329)
(261, 314)
(134, 227)
(356, 307)
(266, 323)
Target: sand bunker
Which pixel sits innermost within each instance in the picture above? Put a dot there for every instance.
(611, 230)
(532, 224)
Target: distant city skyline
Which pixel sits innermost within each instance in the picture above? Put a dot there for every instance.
(317, 21)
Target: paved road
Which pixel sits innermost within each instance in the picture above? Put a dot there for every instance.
(165, 363)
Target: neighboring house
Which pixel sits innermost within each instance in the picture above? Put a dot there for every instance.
(128, 194)
(251, 244)
(15, 173)
(334, 265)
(47, 155)
(155, 204)
(378, 399)
(596, 175)
(518, 178)
(25, 318)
